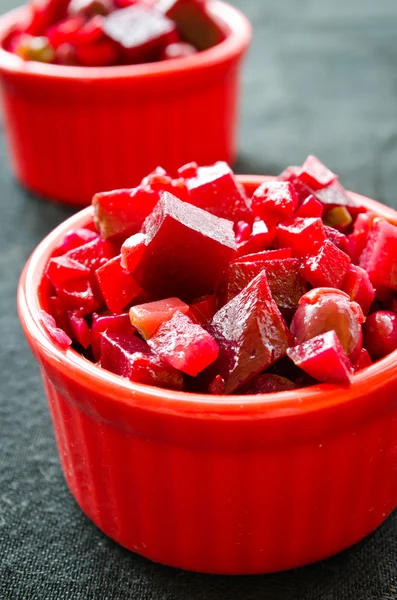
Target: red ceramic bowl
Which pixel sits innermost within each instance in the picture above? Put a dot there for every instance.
(238, 484)
(74, 131)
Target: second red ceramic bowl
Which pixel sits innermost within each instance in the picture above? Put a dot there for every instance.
(238, 484)
(74, 131)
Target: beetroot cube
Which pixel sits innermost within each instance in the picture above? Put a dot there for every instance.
(337, 238)
(326, 268)
(243, 231)
(277, 199)
(268, 383)
(310, 207)
(76, 238)
(120, 213)
(217, 386)
(216, 190)
(57, 335)
(148, 317)
(194, 23)
(64, 31)
(186, 250)
(140, 31)
(45, 13)
(315, 174)
(323, 358)
(132, 251)
(111, 324)
(88, 8)
(184, 345)
(262, 237)
(79, 328)
(103, 53)
(203, 309)
(336, 195)
(130, 357)
(78, 295)
(359, 287)
(303, 236)
(93, 254)
(62, 269)
(291, 174)
(364, 360)
(379, 257)
(251, 334)
(265, 255)
(117, 285)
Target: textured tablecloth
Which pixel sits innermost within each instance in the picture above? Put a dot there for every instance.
(322, 78)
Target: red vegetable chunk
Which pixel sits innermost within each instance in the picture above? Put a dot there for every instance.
(303, 236)
(93, 254)
(58, 335)
(275, 199)
(120, 213)
(186, 250)
(148, 317)
(262, 237)
(363, 361)
(78, 294)
(323, 358)
(359, 287)
(268, 383)
(337, 238)
(62, 269)
(111, 324)
(79, 328)
(132, 251)
(216, 190)
(130, 357)
(310, 207)
(265, 255)
(193, 21)
(203, 309)
(379, 257)
(184, 345)
(251, 334)
(76, 238)
(315, 174)
(141, 32)
(117, 285)
(326, 268)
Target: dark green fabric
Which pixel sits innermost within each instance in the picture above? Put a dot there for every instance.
(322, 78)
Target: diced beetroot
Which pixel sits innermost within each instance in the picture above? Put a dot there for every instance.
(379, 257)
(243, 231)
(148, 317)
(103, 53)
(91, 32)
(111, 324)
(337, 238)
(251, 334)
(188, 170)
(216, 190)
(323, 358)
(217, 386)
(277, 199)
(56, 309)
(132, 251)
(77, 294)
(186, 251)
(93, 254)
(64, 31)
(291, 174)
(265, 255)
(364, 360)
(336, 195)
(310, 207)
(326, 268)
(262, 237)
(184, 345)
(380, 333)
(120, 213)
(359, 287)
(130, 357)
(76, 238)
(43, 13)
(315, 174)
(56, 334)
(141, 32)
(303, 236)
(79, 328)
(178, 50)
(194, 23)
(268, 383)
(62, 269)
(326, 309)
(66, 55)
(88, 8)
(338, 217)
(203, 309)
(285, 282)
(117, 285)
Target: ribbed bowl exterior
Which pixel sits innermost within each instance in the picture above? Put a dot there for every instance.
(219, 485)
(70, 137)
